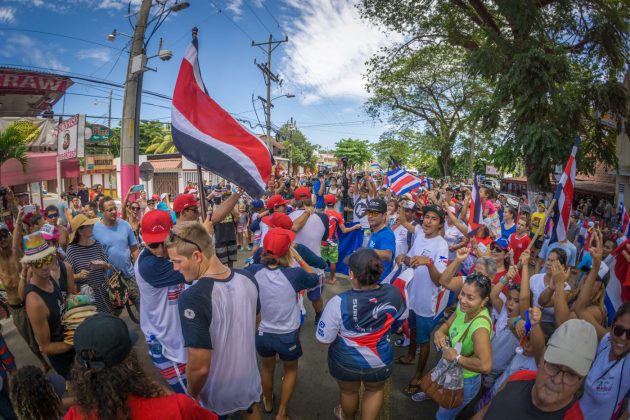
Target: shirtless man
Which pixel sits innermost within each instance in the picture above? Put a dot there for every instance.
(10, 254)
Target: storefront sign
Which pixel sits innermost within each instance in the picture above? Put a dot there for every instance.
(69, 143)
(95, 133)
(33, 82)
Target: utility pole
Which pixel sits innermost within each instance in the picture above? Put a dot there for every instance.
(269, 77)
(109, 111)
(129, 172)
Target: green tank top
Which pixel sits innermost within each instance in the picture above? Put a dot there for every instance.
(458, 329)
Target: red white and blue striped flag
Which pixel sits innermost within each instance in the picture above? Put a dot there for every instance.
(475, 215)
(207, 135)
(400, 181)
(625, 220)
(564, 198)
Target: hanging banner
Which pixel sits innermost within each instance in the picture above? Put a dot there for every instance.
(70, 138)
(38, 132)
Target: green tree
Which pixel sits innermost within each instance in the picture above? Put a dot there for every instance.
(427, 90)
(13, 146)
(357, 151)
(297, 148)
(401, 145)
(553, 66)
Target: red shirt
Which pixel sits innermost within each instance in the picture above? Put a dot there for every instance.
(334, 219)
(518, 245)
(172, 407)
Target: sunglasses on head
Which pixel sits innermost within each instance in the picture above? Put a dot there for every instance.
(173, 235)
(480, 279)
(42, 262)
(618, 330)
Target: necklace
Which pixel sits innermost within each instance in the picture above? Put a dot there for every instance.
(218, 272)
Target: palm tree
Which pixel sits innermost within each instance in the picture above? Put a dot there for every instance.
(162, 144)
(13, 146)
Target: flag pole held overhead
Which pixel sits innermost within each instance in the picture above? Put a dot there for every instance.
(208, 136)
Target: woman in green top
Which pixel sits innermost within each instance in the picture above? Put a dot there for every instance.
(465, 338)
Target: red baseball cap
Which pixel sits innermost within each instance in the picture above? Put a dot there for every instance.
(278, 241)
(156, 225)
(155, 197)
(278, 220)
(183, 201)
(302, 193)
(330, 199)
(275, 201)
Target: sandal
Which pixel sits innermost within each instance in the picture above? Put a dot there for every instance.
(412, 389)
(338, 412)
(403, 360)
(264, 401)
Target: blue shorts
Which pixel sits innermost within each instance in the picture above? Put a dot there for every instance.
(356, 374)
(287, 346)
(423, 326)
(316, 292)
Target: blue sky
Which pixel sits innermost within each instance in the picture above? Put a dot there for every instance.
(322, 64)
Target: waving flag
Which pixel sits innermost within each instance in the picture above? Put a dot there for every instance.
(376, 166)
(426, 182)
(208, 136)
(564, 198)
(401, 181)
(474, 217)
(618, 287)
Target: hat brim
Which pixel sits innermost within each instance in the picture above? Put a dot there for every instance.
(581, 365)
(153, 238)
(87, 222)
(427, 209)
(43, 254)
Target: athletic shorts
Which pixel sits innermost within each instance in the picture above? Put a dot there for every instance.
(173, 372)
(287, 346)
(330, 253)
(227, 251)
(316, 292)
(356, 374)
(424, 326)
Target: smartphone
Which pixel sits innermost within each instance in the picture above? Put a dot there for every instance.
(29, 208)
(137, 188)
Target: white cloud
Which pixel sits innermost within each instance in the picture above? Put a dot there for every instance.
(7, 14)
(38, 55)
(236, 7)
(100, 55)
(328, 46)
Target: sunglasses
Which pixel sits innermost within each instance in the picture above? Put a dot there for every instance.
(480, 279)
(496, 248)
(618, 330)
(193, 209)
(135, 208)
(173, 235)
(4, 235)
(42, 262)
(155, 245)
(52, 215)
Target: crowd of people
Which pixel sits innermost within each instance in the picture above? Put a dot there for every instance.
(521, 321)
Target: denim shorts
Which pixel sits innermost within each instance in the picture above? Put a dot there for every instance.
(424, 327)
(355, 374)
(286, 345)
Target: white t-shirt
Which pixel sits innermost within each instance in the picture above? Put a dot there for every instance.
(453, 236)
(606, 383)
(537, 286)
(423, 293)
(401, 240)
(312, 232)
(360, 211)
(159, 315)
(337, 206)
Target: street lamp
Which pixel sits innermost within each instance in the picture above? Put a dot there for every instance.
(129, 145)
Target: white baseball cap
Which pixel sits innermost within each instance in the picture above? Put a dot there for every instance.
(574, 345)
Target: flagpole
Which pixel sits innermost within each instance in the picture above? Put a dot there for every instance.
(202, 187)
(547, 213)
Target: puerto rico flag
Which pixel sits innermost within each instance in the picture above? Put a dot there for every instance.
(564, 198)
(207, 135)
(474, 217)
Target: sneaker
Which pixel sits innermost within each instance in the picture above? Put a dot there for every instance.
(420, 396)
(249, 248)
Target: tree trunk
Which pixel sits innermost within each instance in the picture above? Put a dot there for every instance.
(533, 188)
(445, 157)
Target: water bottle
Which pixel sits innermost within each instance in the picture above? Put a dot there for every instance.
(155, 348)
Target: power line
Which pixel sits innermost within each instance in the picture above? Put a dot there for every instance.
(6, 28)
(232, 21)
(256, 16)
(272, 16)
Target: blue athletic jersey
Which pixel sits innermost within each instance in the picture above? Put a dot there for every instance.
(357, 324)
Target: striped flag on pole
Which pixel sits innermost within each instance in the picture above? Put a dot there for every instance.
(625, 220)
(376, 166)
(401, 181)
(207, 135)
(474, 217)
(564, 198)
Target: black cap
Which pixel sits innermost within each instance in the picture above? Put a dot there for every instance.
(377, 204)
(434, 209)
(108, 339)
(359, 258)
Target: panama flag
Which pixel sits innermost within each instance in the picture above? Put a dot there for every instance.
(208, 136)
(564, 198)
(474, 218)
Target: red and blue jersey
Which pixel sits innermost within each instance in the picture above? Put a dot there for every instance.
(357, 325)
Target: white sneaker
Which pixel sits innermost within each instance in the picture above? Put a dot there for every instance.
(420, 396)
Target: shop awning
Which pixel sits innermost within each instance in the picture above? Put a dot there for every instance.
(166, 164)
(40, 167)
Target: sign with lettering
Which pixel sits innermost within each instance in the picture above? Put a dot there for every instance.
(95, 133)
(69, 143)
(25, 81)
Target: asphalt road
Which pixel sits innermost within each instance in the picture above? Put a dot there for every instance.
(316, 393)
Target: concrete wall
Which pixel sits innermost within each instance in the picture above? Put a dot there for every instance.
(622, 180)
